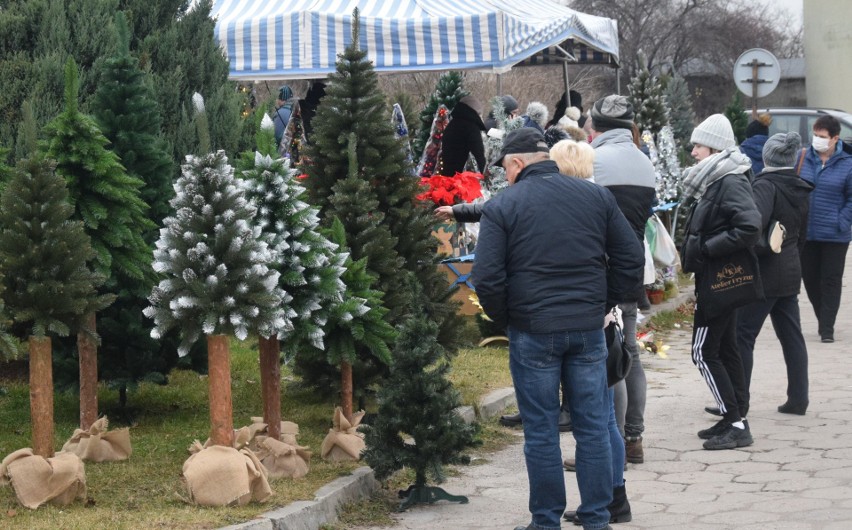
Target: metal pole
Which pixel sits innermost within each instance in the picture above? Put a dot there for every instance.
(567, 85)
(754, 65)
(499, 84)
(618, 80)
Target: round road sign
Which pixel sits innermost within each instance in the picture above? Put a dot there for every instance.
(768, 72)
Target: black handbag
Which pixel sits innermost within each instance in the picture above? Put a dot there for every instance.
(729, 282)
(618, 359)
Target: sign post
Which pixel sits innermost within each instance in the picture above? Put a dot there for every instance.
(756, 74)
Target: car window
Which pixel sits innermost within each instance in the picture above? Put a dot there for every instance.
(845, 130)
(783, 123)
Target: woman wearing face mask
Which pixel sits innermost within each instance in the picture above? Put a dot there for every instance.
(829, 169)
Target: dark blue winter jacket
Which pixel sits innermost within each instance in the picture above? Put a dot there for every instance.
(830, 214)
(752, 147)
(553, 252)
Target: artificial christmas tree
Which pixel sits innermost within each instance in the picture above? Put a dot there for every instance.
(429, 162)
(309, 265)
(495, 176)
(646, 95)
(125, 109)
(402, 135)
(419, 401)
(736, 114)
(107, 200)
(667, 166)
(217, 276)
(49, 289)
(402, 244)
(681, 115)
(448, 92)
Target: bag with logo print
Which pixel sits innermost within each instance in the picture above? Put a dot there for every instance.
(729, 282)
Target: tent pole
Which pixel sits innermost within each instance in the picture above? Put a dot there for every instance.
(567, 84)
(499, 84)
(618, 80)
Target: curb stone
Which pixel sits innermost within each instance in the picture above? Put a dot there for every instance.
(310, 515)
(328, 500)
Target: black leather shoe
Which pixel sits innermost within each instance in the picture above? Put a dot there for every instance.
(564, 421)
(793, 408)
(511, 420)
(713, 410)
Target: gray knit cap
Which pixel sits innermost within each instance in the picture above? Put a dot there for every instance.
(509, 103)
(612, 112)
(715, 132)
(782, 149)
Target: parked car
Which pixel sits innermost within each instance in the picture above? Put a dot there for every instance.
(801, 120)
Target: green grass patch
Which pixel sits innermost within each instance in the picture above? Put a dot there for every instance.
(146, 491)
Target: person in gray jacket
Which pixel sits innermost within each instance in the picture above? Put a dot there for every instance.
(626, 172)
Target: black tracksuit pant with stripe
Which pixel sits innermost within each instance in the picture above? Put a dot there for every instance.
(715, 353)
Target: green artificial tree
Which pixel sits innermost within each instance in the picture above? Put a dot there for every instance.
(448, 92)
(355, 324)
(736, 114)
(309, 264)
(681, 114)
(419, 401)
(49, 287)
(648, 99)
(108, 201)
(383, 200)
(126, 111)
(217, 276)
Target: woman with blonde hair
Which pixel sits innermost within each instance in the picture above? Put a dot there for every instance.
(575, 159)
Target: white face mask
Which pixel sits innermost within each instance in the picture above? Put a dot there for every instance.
(820, 144)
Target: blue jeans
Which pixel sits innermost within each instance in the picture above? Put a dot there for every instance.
(538, 361)
(630, 392)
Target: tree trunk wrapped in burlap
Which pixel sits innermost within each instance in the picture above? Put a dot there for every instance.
(224, 476)
(343, 442)
(283, 457)
(98, 444)
(36, 480)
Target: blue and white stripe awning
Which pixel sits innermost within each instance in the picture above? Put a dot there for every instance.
(298, 39)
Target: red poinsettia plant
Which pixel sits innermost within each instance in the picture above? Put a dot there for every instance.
(446, 191)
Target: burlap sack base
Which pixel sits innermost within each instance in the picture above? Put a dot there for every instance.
(282, 458)
(343, 442)
(36, 480)
(100, 445)
(224, 476)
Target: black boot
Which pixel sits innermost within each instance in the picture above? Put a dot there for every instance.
(511, 420)
(619, 509)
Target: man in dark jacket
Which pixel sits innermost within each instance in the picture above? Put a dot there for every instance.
(554, 253)
(757, 133)
(625, 171)
(780, 195)
(722, 221)
(463, 137)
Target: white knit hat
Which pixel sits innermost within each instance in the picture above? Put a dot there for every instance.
(715, 132)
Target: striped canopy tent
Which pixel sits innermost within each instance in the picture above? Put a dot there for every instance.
(300, 39)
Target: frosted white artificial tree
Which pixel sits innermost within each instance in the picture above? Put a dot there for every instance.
(218, 279)
(667, 165)
(495, 176)
(310, 265)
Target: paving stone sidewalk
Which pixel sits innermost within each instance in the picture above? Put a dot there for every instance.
(797, 475)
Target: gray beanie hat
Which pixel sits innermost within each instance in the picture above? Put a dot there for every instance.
(715, 132)
(782, 149)
(509, 103)
(612, 112)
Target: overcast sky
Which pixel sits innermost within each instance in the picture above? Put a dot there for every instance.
(794, 7)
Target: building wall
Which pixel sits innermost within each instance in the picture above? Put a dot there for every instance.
(828, 49)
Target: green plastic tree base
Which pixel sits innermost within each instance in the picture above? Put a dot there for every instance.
(426, 495)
